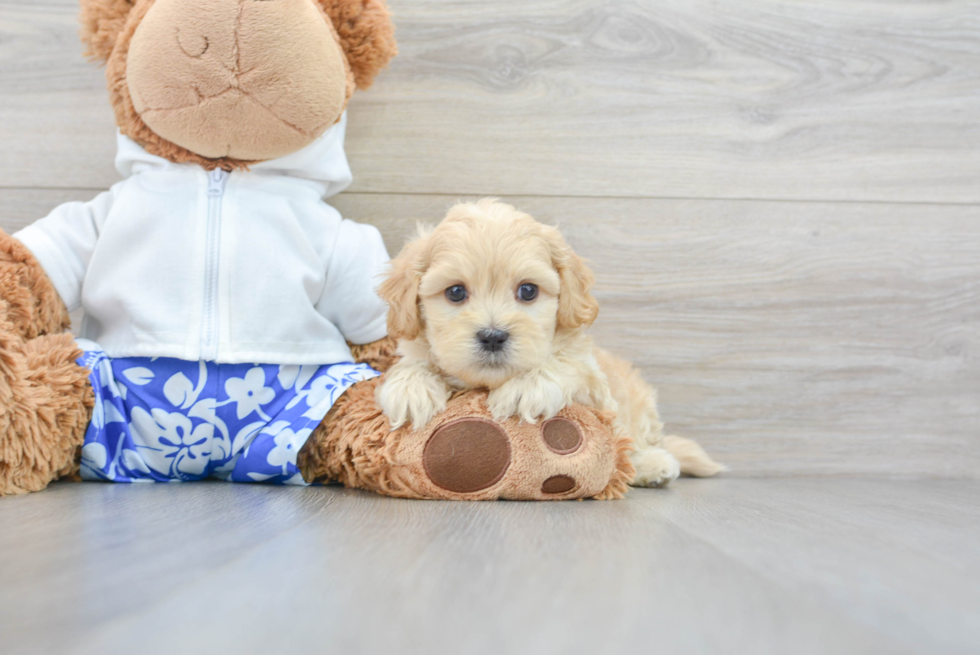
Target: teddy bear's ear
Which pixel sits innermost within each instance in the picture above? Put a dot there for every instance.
(367, 35)
(102, 22)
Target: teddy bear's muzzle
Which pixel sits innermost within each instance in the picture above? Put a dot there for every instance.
(244, 79)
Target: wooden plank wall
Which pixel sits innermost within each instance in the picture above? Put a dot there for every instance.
(781, 198)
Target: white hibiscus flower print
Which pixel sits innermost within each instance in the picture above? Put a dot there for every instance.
(322, 390)
(250, 393)
(287, 444)
(134, 464)
(94, 457)
(298, 375)
(175, 445)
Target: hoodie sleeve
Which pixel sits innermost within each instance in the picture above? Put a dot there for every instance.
(63, 243)
(349, 299)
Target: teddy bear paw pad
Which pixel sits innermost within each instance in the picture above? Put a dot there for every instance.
(562, 436)
(467, 455)
(558, 484)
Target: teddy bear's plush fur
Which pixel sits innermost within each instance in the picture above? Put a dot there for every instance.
(46, 400)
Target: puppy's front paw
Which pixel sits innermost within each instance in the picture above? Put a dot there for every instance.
(655, 467)
(529, 397)
(412, 399)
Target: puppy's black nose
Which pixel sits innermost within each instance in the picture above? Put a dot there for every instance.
(492, 341)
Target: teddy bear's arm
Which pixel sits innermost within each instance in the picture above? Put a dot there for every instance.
(34, 308)
(47, 401)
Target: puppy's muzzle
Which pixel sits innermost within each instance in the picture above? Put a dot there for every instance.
(491, 340)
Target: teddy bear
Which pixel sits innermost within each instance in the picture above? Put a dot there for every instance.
(217, 251)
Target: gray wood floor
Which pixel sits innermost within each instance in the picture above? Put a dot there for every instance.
(804, 565)
(781, 199)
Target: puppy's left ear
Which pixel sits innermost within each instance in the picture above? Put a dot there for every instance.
(367, 36)
(577, 306)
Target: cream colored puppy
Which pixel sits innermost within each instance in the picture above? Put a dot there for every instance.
(493, 299)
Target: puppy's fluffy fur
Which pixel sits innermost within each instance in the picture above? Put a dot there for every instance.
(547, 361)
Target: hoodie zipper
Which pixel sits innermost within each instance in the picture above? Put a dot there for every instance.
(217, 180)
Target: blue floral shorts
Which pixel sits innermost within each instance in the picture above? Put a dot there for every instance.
(162, 420)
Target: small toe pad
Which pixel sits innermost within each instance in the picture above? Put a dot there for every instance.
(558, 484)
(561, 436)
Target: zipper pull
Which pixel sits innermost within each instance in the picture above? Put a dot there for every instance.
(216, 182)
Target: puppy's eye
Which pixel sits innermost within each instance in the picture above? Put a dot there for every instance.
(527, 292)
(456, 293)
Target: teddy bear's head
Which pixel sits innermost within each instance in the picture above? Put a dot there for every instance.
(223, 83)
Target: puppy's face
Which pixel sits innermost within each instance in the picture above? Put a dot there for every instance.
(489, 300)
(487, 290)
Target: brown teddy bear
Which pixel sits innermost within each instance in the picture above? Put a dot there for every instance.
(215, 251)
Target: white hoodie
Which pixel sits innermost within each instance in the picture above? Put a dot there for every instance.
(247, 267)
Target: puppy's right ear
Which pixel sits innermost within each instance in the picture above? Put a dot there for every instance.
(577, 306)
(102, 23)
(401, 288)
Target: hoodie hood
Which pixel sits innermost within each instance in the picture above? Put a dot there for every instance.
(323, 162)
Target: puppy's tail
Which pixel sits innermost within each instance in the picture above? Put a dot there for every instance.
(694, 461)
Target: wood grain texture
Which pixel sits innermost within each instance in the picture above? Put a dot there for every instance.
(841, 99)
(56, 126)
(737, 566)
(787, 337)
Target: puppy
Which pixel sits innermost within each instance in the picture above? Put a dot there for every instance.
(493, 299)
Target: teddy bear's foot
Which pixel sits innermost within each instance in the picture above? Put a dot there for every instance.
(573, 455)
(463, 454)
(45, 406)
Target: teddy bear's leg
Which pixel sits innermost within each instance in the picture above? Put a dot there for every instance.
(45, 406)
(345, 445)
(464, 454)
(33, 306)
